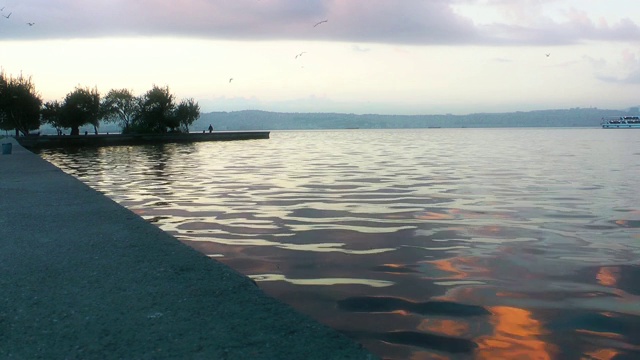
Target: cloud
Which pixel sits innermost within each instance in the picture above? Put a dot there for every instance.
(433, 22)
(626, 71)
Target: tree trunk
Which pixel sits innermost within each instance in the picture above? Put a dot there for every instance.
(75, 130)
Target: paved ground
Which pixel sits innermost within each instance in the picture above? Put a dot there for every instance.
(83, 278)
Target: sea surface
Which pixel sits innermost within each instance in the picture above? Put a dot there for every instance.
(420, 244)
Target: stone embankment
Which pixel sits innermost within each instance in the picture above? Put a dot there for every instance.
(48, 141)
(81, 277)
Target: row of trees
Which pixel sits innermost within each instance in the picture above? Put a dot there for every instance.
(156, 111)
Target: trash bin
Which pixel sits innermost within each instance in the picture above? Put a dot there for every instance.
(6, 148)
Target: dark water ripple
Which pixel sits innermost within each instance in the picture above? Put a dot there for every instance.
(390, 304)
(421, 244)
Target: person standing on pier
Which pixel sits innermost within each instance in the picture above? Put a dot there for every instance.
(210, 128)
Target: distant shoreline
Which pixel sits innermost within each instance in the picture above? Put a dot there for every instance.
(265, 120)
(259, 120)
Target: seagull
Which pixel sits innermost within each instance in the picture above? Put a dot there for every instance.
(230, 79)
(30, 24)
(547, 55)
(320, 22)
(304, 52)
(7, 16)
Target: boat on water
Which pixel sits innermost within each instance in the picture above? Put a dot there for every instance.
(622, 122)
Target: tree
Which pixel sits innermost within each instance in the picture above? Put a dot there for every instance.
(157, 111)
(80, 107)
(50, 114)
(186, 113)
(120, 106)
(19, 104)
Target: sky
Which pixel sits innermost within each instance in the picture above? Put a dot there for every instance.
(347, 56)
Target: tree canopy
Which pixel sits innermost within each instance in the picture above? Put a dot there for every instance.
(187, 112)
(158, 113)
(19, 104)
(80, 107)
(50, 114)
(121, 106)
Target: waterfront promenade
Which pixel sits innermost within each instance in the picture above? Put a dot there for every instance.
(83, 278)
(50, 141)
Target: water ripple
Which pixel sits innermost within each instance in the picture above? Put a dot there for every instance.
(437, 243)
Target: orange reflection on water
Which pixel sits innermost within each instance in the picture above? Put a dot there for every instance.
(601, 354)
(445, 327)
(393, 267)
(401, 312)
(608, 275)
(450, 266)
(517, 335)
(454, 266)
(423, 355)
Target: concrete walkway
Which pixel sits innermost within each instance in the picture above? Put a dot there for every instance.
(81, 277)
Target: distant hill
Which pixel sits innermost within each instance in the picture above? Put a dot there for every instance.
(264, 120)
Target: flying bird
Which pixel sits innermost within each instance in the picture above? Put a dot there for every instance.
(304, 52)
(547, 55)
(31, 24)
(230, 79)
(7, 16)
(320, 22)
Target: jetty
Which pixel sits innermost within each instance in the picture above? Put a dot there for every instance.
(57, 141)
(82, 277)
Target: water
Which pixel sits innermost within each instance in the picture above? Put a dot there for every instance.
(421, 244)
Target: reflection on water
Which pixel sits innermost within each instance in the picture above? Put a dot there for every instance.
(516, 334)
(421, 244)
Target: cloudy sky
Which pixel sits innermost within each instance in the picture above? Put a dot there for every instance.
(355, 56)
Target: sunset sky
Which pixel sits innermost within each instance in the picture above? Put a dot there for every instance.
(369, 56)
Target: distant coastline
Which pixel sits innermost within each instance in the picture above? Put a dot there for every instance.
(265, 120)
(246, 120)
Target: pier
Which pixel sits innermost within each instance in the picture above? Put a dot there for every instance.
(82, 277)
(55, 141)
